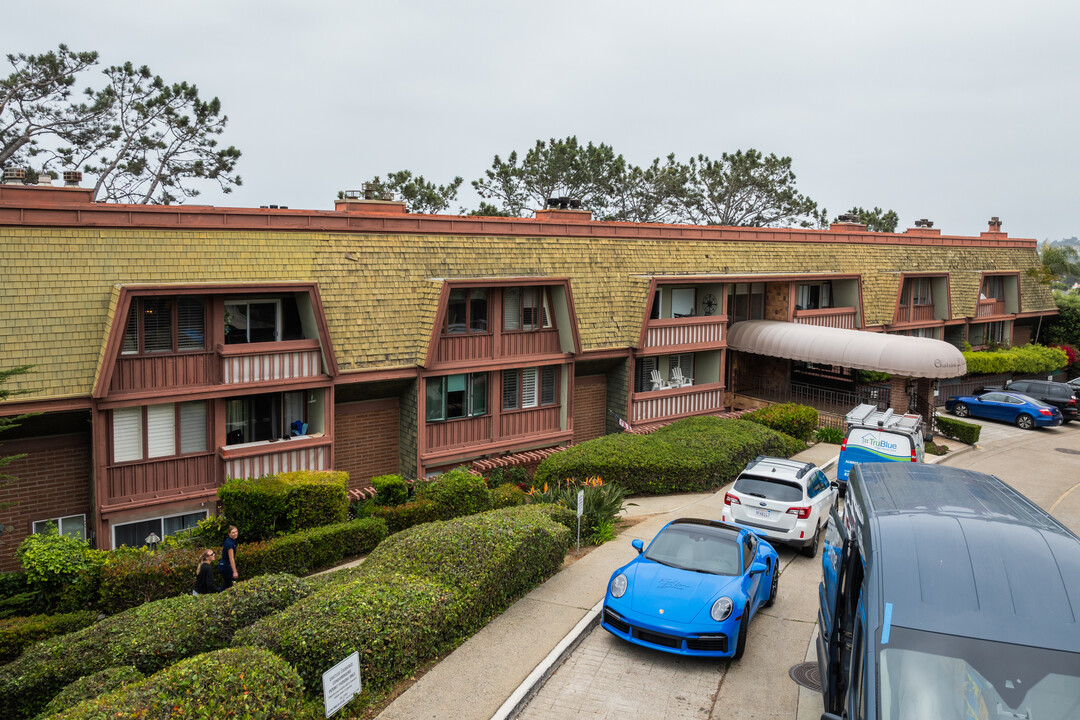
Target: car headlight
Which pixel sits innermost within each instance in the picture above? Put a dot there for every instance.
(721, 609)
(618, 586)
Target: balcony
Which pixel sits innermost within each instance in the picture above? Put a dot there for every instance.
(159, 478)
(989, 308)
(263, 362)
(676, 402)
(841, 317)
(477, 431)
(686, 333)
(914, 313)
(457, 433)
(250, 460)
(143, 372)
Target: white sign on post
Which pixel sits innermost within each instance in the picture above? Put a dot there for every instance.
(580, 502)
(341, 683)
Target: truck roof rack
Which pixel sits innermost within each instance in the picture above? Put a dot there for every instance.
(869, 416)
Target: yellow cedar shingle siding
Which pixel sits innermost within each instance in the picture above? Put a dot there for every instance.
(380, 292)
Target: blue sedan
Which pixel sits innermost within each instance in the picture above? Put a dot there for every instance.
(1026, 412)
(694, 590)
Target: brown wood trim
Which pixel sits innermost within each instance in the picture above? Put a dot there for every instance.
(144, 397)
(688, 390)
(26, 212)
(267, 348)
(362, 406)
(349, 377)
(47, 443)
(22, 407)
(472, 451)
(488, 365)
(227, 453)
(682, 348)
(179, 496)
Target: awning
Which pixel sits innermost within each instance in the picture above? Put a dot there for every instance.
(894, 354)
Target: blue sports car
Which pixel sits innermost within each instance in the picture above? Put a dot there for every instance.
(694, 590)
(1026, 412)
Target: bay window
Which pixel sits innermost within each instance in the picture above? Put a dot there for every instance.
(456, 396)
(155, 431)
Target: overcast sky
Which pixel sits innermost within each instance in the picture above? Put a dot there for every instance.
(949, 110)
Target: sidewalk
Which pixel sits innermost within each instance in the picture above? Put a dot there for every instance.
(495, 672)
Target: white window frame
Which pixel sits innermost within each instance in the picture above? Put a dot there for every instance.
(161, 522)
(259, 301)
(59, 522)
(154, 430)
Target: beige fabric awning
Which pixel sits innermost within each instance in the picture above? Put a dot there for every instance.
(893, 354)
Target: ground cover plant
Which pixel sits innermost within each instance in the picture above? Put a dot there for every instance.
(149, 637)
(690, 455)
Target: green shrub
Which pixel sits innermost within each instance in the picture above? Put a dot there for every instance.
(209, 532)
(690, 455)
(965, 432)
(273, 504)
(90, 687)
(456, 493)
(390, 490)
(508, 495)
(16, 598)
(417, 594)
(798, 421)
(242, 682)
(18, 633)
(831, 435)
(602, 502)
(399, 517)
(1025, 360)
(149, 637)
(51, 561)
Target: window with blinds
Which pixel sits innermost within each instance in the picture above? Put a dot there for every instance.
(527, 308)
(160, 430)
(193, 427)
(161, 437)
(530, 387)
(512, 309)
(127, 434)
(511, 381)
(529, 395)
(548, 376)
(159, 325)
(683, 361)
(643, 376)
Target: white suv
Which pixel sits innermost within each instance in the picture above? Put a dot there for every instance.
(787, 501)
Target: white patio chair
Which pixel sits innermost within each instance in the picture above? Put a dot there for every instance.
(678, 379)
(659, 383)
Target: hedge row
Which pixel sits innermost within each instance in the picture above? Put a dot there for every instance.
(17, 633)
(131, 577)
(285, 503)
(89, 687)
(244, 682)
(453, 494)
(798, 421)
(691, 455)
(1025, 360)
(417, 594)
(149, 637)
(965, 432)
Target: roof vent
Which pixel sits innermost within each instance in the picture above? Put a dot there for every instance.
(14, 176)
(564, 203)
(848, 218)
(72, 178)
(924, 223)
(995, 224)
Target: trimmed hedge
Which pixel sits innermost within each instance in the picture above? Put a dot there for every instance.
(456, 493)
(149, 637)
(244, 682)
(417, 594)
(274, 504)
(965, 432)
(399, 517)
(90, 687)
(508, 495)
(132, 576)
(798, 421)
(18, 633)
(390, 489)
(1025, 360)
(691, 455)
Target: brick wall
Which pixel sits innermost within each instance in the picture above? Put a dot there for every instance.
(776, 301)
(53, 481)
(590, 407)
(366, 440)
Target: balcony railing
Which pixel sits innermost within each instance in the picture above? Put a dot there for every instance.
(676, 402)
(159, 478)
(534, 421)
(693, 331)
(264, 362)
(461, 347)
(460, 432)
(539, 342)
(914, 313)
(142, 372)
(989, 308)
(252, 460)
(841, 317)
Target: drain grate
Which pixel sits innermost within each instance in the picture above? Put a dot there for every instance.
(807, 675)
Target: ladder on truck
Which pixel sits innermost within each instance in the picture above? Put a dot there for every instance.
(870, 416)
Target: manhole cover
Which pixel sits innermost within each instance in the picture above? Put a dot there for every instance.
(1070, 451)
(807, 675)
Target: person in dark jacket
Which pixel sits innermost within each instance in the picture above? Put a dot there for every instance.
(204, 580)
(227, 564)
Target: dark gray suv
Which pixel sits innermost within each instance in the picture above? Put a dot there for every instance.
(1055, 393)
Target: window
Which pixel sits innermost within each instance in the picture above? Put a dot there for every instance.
(134, 534)
(155, 431)
(746, 301)
(684, 362)
(682, 302)
(262, 320)
(993, 288)
(643, 374)
(813, 296)
(917, 291)
(258, 418)
(466, 310)
(74, 525)
(529, 387)
(526, 309)
(456, 396)
(159, 325)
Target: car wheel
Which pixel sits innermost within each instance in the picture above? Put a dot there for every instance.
(961, 410)
(1025, 421)
(811, 549)
(740, 644)
(774, 587)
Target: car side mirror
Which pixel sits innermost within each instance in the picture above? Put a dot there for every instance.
(835, 484)
(638, 545)
(758, 567)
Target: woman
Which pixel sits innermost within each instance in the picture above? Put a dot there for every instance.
(227, 564)
(204, 580)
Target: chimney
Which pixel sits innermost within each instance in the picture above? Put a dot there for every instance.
(847, 222)
(995, 229)
(72, 178)
(14, 176)
(565, 209)
(364, 201)
(995, 224)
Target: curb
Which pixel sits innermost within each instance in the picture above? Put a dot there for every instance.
(547, 667)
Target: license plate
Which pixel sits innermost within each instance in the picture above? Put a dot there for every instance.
(763, 513)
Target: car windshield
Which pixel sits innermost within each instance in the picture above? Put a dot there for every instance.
(696, 547)
(930, 675)
(769, 489)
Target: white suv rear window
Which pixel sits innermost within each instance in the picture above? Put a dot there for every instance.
(769, 489)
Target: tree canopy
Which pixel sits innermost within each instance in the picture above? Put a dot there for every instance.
(1059, 265)
(420, 195)
(144, 140)
(876, 220)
